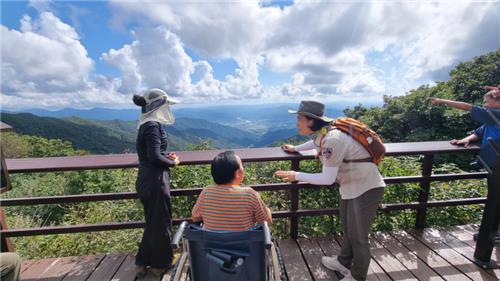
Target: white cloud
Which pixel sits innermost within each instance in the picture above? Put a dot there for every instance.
(340, 49)
(448, 33)
(326, 43)
(41, 5)
(45, 65)
(45, 55)
(429, 39)
(213, 29)
(157, 58)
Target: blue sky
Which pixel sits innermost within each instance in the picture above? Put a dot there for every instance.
(98, 53)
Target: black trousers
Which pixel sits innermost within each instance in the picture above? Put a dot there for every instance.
(155, 249)
(490, 221)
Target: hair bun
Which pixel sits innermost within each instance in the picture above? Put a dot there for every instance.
(139, 100)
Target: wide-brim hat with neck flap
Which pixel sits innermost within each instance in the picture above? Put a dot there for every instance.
(313, 109)
(155, 98)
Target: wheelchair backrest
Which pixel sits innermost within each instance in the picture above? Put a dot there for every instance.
(226, 255)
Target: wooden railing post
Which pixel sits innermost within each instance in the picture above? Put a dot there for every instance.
(5, 243)
(425, 186)
(294, 205)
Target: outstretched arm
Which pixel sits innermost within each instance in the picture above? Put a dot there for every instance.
(454, 104)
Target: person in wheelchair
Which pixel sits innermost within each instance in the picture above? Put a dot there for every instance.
(227, 206)
(234, 243)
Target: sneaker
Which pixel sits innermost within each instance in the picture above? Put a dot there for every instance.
(140, 271)
(333, 264)
(160, 271)
(157, 271)
(348, 278)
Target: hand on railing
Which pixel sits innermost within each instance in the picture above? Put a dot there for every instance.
(175, 157)
(289, 176)
(465, 141)
(288, 148)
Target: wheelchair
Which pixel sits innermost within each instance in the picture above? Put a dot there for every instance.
(226, 255)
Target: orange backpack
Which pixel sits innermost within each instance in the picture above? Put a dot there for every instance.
(370, 140)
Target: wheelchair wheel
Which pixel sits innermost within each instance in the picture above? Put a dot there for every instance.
(179, 271)
(276, 268)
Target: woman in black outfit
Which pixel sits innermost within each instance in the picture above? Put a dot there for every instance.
(153, 182)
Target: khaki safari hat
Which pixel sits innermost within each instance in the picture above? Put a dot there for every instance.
(312, 109)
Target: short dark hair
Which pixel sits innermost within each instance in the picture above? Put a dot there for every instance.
(224, 166)
(317, 123)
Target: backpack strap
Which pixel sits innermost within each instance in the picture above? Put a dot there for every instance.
(324, 131)
(362, 160)
(358, 160)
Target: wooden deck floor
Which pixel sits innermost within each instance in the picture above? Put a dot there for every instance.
(398, 255)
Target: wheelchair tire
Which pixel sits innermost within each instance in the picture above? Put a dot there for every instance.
(283, 276)
(174, 271)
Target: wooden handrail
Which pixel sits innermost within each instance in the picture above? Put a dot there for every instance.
(115, 161)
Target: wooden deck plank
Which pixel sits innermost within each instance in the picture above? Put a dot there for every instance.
(26, 264)
(58, 270)
(466, 245)
(312, 254)
(126, 271)
(467, 237)
(376, 273)
(331, 247)
(433, 255)
(391, 265)
(469, 228)
(411, 261)
(37, 269)
(108, 267)
(434, 241)
(84, 268)
(431, 258)
(295, 265)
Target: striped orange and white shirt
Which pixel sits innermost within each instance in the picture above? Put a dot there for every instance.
(230, 208)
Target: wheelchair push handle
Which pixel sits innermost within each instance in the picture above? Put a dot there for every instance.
(267, 235)
(178, 235)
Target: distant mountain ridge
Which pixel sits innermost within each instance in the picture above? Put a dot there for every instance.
(103, 130)
(118, 136)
